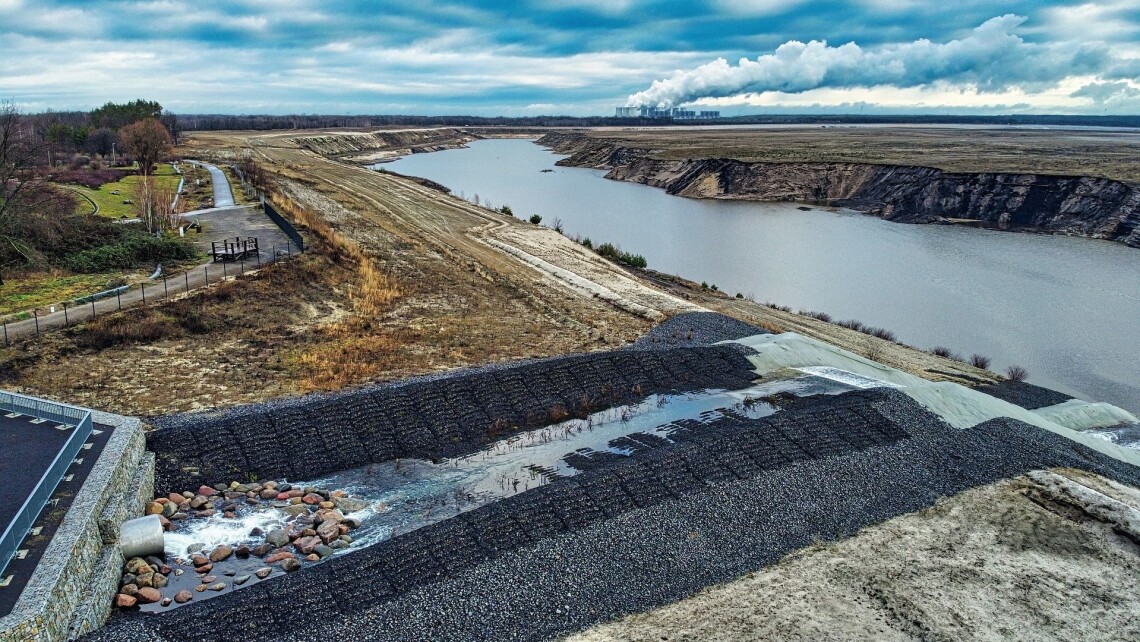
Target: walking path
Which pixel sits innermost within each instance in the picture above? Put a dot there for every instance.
(222, 221)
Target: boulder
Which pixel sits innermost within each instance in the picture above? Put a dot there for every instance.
(307, 545)
(290, 565)
(206, 568)
(129, 589)
(145, 579)
(263, 572)
(220, 553)
(328, 531)
(322, 550)
(199, 559)
(165, 601)
(277, 557)
(183, 596)
(241, 579)
(153, 508)
(349, 504)
(241, 552)
(148, 595)
(125, 601)
(220, 586)
(176, 498)
(278, 537)
(311, 499)
(207, 491)
(137, 565)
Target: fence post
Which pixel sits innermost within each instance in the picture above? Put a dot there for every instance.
(224, 275)
(186, 275)
(65, 314)
(36, 314)
(92, 309)
(119, 298)
(144, 293)
(241, 270)
(207, 270)
(165, 289)
(258, 255)
(6, 334)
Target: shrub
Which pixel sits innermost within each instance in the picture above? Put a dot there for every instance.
(586, 242)
(980, 361)
(558, 225)
(506, 209)
(851, 324)
(536, 219)
(610, 251)
(945, 352)
(739, 295)
(135, 250)
(881, 333)
(1016, 373)
(822, 316)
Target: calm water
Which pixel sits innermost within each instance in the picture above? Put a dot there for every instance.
(1066, 309)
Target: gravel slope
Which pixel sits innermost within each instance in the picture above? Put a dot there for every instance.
(641, 558)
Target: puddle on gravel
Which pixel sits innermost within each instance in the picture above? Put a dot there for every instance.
(399, 496)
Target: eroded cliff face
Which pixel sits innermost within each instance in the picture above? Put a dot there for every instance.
(372, 147)
(1081, 206)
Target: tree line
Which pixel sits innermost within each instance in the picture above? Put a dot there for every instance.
(61, 135)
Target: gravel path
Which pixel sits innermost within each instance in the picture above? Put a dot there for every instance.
(550, 576)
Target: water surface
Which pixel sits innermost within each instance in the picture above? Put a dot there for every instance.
(1067, 309)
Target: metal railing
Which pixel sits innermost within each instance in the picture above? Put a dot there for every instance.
(18, 529)
(285, 226)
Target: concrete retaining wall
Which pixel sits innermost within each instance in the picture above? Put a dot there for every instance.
(68, 592)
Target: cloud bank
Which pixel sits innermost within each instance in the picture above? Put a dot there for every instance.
(993, 58)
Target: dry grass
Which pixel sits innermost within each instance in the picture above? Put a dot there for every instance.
(353, 349)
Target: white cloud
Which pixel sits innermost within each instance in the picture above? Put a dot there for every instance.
(991, 59)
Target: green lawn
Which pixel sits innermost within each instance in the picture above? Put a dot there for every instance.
(111, 204)
(43, 289)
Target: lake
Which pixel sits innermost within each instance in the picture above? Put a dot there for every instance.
(1066, 309)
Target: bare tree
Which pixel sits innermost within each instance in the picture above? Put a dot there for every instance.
(154, 205)
(17, 182)
(148, 141)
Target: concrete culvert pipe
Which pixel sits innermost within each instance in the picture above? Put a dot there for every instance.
(141, 537)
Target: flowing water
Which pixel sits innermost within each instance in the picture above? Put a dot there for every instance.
(399, 496)
(1067, 309)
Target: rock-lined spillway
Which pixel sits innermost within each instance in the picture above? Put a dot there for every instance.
(1081, 206)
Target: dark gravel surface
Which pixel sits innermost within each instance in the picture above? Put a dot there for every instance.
(691, 329)
(427, 418)
(1026, 395)
(638, 534)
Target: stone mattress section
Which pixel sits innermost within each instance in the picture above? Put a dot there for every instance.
(726, 450)
(754, 489)
(426, 418)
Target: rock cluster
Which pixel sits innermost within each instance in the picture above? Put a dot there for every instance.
(315, 528)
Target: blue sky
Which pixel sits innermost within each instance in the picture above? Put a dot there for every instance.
(577, 57)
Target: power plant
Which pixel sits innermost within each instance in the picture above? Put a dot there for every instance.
(667, 112)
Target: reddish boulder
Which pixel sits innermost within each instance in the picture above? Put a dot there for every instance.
(148, 595)
(125, 601)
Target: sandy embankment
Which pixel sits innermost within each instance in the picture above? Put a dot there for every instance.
(1047, 553)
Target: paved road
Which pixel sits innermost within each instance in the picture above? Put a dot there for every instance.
(223, 195)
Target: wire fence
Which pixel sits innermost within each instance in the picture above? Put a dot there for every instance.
(163, 288)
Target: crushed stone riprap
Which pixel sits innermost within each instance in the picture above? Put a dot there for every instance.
(426, 418)
(690, 329)
(1026, 395)
(639, 533)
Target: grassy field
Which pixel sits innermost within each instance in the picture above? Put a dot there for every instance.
(110, 197)
(1108, 154)
(41, 289)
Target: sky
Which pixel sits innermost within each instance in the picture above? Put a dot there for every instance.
(574, 57)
